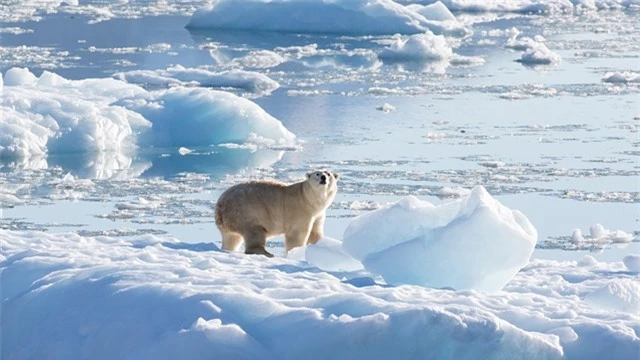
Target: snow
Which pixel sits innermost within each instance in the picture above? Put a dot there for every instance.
(327, 254)
(335, 17)
(624, 77)
(19, 76)
(535, 50)
(418, 47)
(425, 48)
(50, 114)
(436, 11)
(471, 243)
(598, 234)
(192, 117)
(386, 108)
(179, 75)
(70, 296)
(539, 54)
(617, 295)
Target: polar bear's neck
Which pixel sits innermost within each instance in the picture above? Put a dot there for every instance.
(318, 198)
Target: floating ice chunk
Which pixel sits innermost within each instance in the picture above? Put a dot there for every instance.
(54, 115)
(386, 108)
(539, 54)
(577, 236)
(178, 75)
(522, 44)
(624, 77)
(436, 11)
(19, 76)
(632, 262)
(598, 231)
(200, 116)
(419, 47)
(471, 243)
(336, 17)
(140, 204)
(260, 59)
(184, 151)
(618, 295)
(452, 192)
(327, 254)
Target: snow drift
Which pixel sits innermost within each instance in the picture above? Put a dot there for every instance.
(50, 114)
(471, 243)
(321, 16)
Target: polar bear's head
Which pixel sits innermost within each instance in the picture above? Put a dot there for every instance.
(324, 183)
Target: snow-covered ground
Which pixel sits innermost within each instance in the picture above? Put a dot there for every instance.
(68, 296)
(487, 205)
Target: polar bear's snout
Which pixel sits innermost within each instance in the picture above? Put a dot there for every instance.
(323, 179)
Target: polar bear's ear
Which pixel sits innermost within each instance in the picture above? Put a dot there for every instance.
(336, 175)
(309, 174)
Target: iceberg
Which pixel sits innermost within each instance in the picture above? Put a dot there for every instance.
(355, 17)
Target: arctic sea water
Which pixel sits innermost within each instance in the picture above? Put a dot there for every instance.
(537, 101)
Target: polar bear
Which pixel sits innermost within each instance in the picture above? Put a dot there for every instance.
(257, 210)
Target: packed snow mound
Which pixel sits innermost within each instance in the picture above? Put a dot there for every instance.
(320, 16)
(471, 243)
(53, 115)
(158, 298)
(178, 75)
(618, 295)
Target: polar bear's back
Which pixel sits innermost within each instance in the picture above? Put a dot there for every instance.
(253, 201)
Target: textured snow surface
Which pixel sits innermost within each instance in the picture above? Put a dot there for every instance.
(68, 296)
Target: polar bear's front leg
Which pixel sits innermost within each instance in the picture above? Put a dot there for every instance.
(317, 230)
(296, 237)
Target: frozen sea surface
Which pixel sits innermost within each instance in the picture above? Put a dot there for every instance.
(539, 102)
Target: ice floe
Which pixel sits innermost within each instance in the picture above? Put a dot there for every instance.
(431, 50)
(178, 75)
(160, 298)
(624, 77)
(50, 114)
